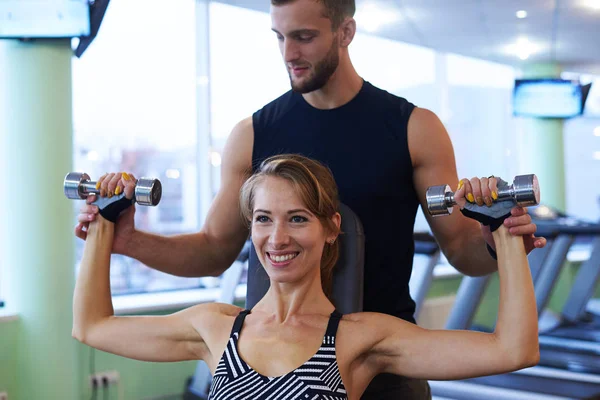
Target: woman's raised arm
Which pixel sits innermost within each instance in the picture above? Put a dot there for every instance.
(402, 348)
(176, 337)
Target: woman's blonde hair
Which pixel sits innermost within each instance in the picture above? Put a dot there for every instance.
(317, 189)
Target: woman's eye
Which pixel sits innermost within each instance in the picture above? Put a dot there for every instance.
(298, 219)
(262, 218)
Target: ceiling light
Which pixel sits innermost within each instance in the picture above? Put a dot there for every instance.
(597, 155)
(371, 17)
(597, 131)
(593, 4)
(521, 14)
(522, 49)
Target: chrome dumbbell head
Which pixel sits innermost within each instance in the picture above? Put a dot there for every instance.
(148, 191)
(526, 190)
(75, 185)
(437, 201)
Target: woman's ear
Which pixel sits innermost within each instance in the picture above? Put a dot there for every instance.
(337, 222)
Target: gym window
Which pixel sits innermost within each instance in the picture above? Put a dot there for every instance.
(134, 110)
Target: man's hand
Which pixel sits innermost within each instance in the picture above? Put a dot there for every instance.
(483, 191)
(109, 185)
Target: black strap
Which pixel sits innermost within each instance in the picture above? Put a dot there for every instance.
(492, 252)
(493, 222)
(492, 216)
(334, 321)
(111, 207)
(239, 321)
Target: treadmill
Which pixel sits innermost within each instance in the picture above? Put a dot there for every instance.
(572, 341)
(545, 268)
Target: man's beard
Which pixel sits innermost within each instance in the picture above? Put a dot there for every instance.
(322, 72)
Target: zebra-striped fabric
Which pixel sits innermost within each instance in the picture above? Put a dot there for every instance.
(317, 379)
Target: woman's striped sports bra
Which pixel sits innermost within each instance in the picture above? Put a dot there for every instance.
(318, 378)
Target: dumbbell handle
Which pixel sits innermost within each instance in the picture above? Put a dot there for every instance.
(506, 193)
(77, 185)
(88, 188)
(524, 191)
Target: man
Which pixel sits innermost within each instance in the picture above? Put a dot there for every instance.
(383, 152)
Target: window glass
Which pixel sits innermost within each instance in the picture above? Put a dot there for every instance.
(134, 99)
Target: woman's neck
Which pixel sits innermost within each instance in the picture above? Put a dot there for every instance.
(287, 300)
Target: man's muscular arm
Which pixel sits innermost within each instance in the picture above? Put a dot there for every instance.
(212, 250)
(433, 163)
(206, 253)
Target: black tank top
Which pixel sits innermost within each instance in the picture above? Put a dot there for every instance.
(364, 143)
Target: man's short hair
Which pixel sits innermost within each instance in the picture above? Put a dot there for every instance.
(336, 10)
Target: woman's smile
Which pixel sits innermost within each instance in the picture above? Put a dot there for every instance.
(281, 259)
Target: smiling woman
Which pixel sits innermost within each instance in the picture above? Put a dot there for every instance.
(282, 181)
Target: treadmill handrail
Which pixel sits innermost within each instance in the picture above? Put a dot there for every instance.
(570, 344)
(584, 286)
(559, 374)
(555, 229)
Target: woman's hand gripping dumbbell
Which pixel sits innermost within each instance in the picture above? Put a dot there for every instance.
(109, 196)
(524, 191)
(492, 202)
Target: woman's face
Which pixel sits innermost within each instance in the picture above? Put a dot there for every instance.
(288, 238)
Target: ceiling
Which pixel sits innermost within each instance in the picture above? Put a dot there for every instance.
(565, 32)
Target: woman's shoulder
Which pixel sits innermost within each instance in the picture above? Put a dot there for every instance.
(357, 325)
(214, 312)
(214, 322)
(369, 324)
(358, 334)
(225, 309)
(366, 317)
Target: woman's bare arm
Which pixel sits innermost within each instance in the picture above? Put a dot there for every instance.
(402, 348)
(175, 337)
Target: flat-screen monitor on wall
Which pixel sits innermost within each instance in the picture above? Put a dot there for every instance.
(52, 19)
(38, 19)
(548, 98)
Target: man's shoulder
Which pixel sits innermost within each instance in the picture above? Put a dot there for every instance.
(387, 99)
(275, 110)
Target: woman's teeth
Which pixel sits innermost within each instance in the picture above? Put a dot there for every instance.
(283, 258)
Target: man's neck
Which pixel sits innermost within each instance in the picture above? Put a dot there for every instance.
(342, 87)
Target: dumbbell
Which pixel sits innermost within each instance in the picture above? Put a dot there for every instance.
(78, 185)
(525, 191)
